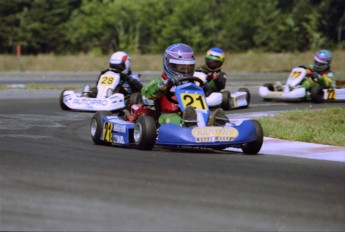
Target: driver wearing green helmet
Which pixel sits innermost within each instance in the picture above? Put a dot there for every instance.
(319, 73)
(216, 79)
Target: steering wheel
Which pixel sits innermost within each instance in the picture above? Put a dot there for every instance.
(169, 94)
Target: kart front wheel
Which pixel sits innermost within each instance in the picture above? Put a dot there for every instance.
(226, 100)
(145, 133)
(252, 148)
(96, 127)
(248, 95)
(269, 86)
(316, 94)
(62, 104)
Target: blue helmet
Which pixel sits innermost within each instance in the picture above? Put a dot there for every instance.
(179, 60)
(322, 60)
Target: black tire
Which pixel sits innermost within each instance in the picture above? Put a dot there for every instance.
(135, 98)
(96, 127)
(316, 94)
(252, 148)
(226, 100)
(269, 86)
(145, 133)
(248, 95)
(62, 104)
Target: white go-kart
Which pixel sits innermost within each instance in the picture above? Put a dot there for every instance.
(292, 91)
(106, 99)
(224, 99)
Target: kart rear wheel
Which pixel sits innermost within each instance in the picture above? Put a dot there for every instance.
(96, 127)
(226, 100)
(316, 94)
(248, 95)
(62, 104)
(145, 133)
(252, 148)
(135, 98)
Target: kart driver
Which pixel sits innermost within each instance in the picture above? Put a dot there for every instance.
(319, 73)
(119, 63)
(178, 62)
(216, 79)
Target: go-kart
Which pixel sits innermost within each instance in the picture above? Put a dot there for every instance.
(139, 128)
(292, 91)
(225, 99)
(105, 100)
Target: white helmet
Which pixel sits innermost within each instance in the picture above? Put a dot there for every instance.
(121, 62)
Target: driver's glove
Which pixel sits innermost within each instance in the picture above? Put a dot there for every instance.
(163, 85)
(212, 76)
(315, 76)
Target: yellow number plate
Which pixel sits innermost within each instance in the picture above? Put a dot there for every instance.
(195, 100)
(107, 81)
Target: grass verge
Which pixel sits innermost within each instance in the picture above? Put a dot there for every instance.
(322, 126)
(38, 86)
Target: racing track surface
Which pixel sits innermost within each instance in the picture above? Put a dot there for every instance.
(52, 177)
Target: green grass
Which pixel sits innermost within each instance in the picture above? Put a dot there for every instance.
(234, 62)
(322, 126)
(39, 86)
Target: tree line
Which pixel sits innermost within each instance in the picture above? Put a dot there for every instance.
(149, 26)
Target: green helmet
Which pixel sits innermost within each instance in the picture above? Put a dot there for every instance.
(322, 60)
(214, 59)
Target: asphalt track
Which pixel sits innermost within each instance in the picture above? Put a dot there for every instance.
(53, 178)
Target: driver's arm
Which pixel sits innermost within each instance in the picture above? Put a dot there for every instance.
(151, 90)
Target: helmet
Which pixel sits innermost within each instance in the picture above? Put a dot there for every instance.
(121, 62)
(179, 59)
(214, 59)
(322, 60)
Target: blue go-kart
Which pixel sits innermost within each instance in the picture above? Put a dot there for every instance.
(140, 129)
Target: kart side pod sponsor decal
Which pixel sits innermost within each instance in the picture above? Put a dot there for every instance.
(213, 134)
(90, 101)
(107, 129)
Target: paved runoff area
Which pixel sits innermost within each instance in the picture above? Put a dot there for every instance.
(273, 146)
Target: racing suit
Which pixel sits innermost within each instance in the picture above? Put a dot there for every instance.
(168, 111)
(128, 83)
(324, 78)
(216, 80)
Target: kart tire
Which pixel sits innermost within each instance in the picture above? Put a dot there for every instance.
(135, 98)
(145, 133)
(226, 100)
(248, 95)
(316, 94)
(269, 86)
(96, 127)
(62, 104)
(252, 148)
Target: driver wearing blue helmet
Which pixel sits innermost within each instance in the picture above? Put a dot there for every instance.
(178, 61)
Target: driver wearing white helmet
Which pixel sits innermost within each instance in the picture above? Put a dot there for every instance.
(129, 83)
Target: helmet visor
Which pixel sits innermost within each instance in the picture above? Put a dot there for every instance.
(213, 64)
(119, 67)
(320, 66)
(183, 67)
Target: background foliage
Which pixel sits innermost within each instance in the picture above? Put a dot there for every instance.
(149, 26)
